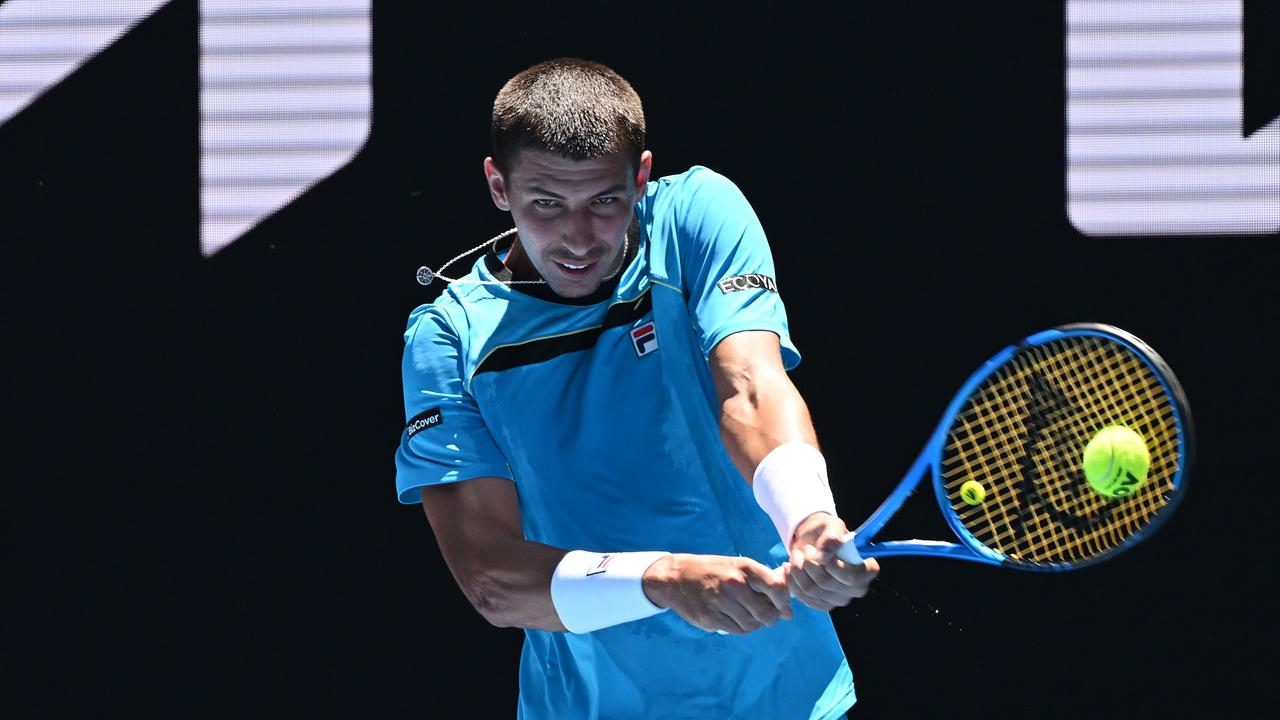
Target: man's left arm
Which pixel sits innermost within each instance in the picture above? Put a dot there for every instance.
(766, 428)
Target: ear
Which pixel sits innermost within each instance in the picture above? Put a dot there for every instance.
(642, 175)
(497, 185)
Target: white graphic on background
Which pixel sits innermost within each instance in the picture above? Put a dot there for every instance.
(44, 41)
(285, 101)
(1155, 117)
(285, 90)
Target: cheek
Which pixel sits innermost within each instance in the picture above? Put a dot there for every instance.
(533, 229)
(612, 224)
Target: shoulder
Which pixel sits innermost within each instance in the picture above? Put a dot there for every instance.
(430, 328)
(442, 322)
(461, 323)
(697, 197)
(453, 311)
(697, 181)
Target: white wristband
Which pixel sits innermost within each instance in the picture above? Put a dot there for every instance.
(790, 483)
(593, 590)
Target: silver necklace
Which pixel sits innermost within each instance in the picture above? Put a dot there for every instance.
(426, 275)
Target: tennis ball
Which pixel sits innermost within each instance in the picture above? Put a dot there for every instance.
(1116, 461)
(972, 492)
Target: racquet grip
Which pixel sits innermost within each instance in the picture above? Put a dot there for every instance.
(848, 552)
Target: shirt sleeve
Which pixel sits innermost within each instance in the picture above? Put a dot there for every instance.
(727, 268)
(445, 438)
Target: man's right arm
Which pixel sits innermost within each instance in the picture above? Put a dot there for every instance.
(508, 578)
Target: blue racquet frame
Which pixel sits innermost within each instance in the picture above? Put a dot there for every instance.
(860, 543)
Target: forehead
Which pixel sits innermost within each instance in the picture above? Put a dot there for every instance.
(554, 172)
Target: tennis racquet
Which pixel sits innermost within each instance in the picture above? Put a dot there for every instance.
(1019, 426)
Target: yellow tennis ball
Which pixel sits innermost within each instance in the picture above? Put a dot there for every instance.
(972, 492)
(1116, 461)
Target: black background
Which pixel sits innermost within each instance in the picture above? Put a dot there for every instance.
(199, 488)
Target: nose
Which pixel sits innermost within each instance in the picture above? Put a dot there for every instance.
(578, 237)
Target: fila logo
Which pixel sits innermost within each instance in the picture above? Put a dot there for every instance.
(424, 420)
(600, 566)
(750, 281)
(645, 338)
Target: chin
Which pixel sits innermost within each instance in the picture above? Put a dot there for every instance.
(575, 291)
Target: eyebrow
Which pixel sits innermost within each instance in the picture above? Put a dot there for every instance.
(535, 190)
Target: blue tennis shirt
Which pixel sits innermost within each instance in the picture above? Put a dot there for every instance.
(603, 413)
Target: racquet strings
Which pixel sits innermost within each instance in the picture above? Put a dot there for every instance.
(1022, 435)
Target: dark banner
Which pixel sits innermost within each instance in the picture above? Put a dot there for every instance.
(211, 216)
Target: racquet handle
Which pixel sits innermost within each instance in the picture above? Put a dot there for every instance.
(848, 552)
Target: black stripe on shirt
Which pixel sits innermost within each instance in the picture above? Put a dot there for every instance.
(536, 351)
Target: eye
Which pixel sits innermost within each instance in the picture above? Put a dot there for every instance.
(609, 200)
(544, 203)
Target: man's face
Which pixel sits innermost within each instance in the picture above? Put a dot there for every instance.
(572, 215)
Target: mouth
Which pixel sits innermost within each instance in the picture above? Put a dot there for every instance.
(575, 270)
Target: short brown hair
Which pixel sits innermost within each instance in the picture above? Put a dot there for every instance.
(577, 109)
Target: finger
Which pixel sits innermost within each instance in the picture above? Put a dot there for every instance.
(821, 585)
(762, 610)
(813, 596)
(797, 579)
(842, 572)
(829, 543)
(772, 585)
(712, 620)
(866, 573)
(807, 598)
(820, 574)
(765, 595)
(739, 617)
(852, 581)
(804, 589)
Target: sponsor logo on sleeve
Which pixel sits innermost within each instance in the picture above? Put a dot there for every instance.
(750, 281)
(424, 420)
(644, 338)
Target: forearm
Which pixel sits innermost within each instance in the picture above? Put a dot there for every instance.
(508, 580)
(514, 582)
(764, 410)
(766, 429)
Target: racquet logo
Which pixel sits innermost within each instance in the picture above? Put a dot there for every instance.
(1047, 405)
(423, 421)
(645, 339)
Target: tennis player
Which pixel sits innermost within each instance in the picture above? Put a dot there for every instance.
(602, 433)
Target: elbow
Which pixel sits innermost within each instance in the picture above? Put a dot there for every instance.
(490, 599)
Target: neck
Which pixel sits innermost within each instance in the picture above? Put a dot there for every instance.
(517, 262)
